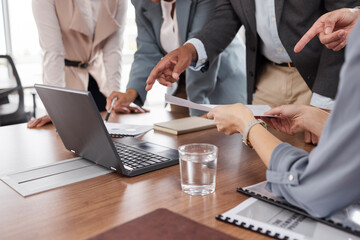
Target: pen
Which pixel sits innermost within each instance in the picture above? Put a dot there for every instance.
(111, 107)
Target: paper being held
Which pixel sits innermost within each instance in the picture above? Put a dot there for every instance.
(257, 110)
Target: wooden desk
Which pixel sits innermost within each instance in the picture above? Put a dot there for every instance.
(87, 208)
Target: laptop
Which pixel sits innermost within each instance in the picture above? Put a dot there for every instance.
(82, 130)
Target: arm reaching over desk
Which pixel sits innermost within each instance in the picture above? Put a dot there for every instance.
(168, 70)
(235, 118)
(333, 29)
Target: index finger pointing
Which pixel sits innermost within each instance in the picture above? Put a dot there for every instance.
(315, 29)
(163, 65)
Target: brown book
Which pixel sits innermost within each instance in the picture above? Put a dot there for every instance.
(184, 125)
(162, 224)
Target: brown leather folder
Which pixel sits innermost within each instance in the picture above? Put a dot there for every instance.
(162, 224)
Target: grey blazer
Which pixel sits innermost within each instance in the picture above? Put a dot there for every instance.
(318, 65)
(223, 83)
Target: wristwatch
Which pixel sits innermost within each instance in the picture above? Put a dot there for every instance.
(245, 139)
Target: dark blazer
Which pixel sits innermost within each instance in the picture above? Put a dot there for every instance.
(225, 80)
(318, 65)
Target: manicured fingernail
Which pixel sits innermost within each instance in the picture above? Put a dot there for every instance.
(175, 75)
(327, 30)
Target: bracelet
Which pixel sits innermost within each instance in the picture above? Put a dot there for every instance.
(245, 139)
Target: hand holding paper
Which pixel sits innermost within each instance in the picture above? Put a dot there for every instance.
(257, 110)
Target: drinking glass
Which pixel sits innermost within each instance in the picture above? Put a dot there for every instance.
(198, 163)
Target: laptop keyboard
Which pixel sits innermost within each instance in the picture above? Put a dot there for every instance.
(134, 158)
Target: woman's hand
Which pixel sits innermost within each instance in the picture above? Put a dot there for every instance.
(231, 119)
(122, 104)
(297, 118)
(39, 122)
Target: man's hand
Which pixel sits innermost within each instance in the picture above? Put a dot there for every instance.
(168, 70)
(39, 122)
(122, 104)
(332, 28)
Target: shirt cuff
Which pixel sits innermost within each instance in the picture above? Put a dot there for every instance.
(322, 102)
(283, 168)
(202, 56)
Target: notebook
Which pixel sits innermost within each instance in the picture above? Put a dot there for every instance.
(162, 224)
(184, 125)
(82, 130)
(347, 219)
(280, 223)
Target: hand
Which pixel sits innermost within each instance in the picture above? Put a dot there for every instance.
(310, 138)
(231, 119)
(332, 28)
(298, 118)
(290, 118)
(122, 104)
(39, 122)
(168, 70)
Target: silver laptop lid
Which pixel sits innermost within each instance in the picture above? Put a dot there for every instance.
(79, 124)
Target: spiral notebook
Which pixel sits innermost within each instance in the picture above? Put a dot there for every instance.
(280, 223)
(347, 220)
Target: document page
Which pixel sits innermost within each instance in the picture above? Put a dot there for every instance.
(276, 220)
(257, 110)
(348, 217)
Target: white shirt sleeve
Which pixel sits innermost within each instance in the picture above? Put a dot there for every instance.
(112, 51)
(322, 102)
(50, 42)
(201, 52)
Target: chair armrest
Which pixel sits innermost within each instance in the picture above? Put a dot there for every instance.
(7, 91)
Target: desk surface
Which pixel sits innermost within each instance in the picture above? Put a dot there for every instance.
(84, 209)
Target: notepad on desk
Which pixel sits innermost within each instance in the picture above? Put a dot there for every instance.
(184, 125)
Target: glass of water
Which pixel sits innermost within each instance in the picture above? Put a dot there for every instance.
(198, 163)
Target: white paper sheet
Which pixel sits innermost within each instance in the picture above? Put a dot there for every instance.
(257, 110)
(281, 221)
(127, 129)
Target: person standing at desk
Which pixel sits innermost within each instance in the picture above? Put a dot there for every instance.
(275, 74)
(82, 43)
(163, 25)
(325, 180)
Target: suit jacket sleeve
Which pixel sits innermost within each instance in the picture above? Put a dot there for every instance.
(206, 87)
(220, 30)
(148, 54)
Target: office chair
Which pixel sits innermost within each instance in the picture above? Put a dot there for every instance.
(12, 113)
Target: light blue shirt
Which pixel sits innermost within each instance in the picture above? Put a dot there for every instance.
(328, 178)
(270, 44)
